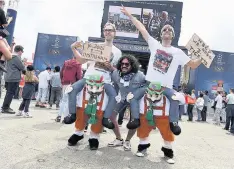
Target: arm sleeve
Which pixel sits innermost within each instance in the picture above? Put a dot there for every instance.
(19, 64)
(78, 72)
(184, 59)
(61, 72)
(153, 44)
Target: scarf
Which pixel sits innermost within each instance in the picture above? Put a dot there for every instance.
(150, 114)
(126, 77)
(91, 109)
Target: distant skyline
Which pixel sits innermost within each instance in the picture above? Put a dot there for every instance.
(213, 22)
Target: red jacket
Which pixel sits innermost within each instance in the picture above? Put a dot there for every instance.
(71, 72)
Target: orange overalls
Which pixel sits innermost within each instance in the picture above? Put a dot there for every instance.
(162, 123)
(81, 117)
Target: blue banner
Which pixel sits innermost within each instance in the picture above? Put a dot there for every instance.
(153, 14)
(219, 77)
(52, 50)
(11, 27)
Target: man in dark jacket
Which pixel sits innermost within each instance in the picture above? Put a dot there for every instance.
(14, 68)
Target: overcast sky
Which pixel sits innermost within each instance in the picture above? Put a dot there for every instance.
(211, 20)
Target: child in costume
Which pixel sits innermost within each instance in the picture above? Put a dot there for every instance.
(154, 108)
(92, 101)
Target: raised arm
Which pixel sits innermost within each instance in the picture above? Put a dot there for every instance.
(77, 53)
(137, 23)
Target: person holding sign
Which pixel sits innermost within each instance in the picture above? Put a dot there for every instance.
(96, 68)
(163, 64)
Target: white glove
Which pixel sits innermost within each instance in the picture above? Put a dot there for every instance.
(129, 97)
(118, 98)
(180, 97)
(68, 89)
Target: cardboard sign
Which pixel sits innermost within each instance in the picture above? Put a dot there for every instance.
(197, 47)
(96, 52)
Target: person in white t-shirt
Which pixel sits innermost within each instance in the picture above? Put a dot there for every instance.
(44, 78)
(95, 68)
(218, 108)
(163, 64)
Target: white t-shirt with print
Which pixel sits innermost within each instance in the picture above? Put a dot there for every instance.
(219, 100)
(164, 62)
(92, 70)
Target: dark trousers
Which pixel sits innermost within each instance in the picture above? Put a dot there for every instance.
(190, 112)
(229, 121)
(55, 95)
(181, 111)
(203, 113)
(121, 113)
(24, 105)
(16, 96)
(11, 87)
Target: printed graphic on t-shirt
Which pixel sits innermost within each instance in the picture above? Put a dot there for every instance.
(162, 61)
(101, 66)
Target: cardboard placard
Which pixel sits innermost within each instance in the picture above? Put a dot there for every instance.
(197, 47)
(96, 52)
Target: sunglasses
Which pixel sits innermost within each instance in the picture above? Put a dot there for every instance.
(109, 30)
(167, 29)
(126, 64)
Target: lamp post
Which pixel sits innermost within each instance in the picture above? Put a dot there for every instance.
(12, 12)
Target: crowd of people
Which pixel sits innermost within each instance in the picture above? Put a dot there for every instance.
(222, 107)
(97, 97)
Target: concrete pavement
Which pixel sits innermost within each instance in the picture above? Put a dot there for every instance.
(41, 143)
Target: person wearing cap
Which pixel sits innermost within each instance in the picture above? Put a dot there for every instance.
(43, 86)
(154, 112)
(5, 49)
(163, 64)
(28, 90)
(91, 103)
(14, 68)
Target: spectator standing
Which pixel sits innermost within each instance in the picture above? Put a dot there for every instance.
(28, 90)
(204, 110)
(14, 68)
(70, 73)
(218, 108)
(199, 106)
(44, 78)
(230, 110)
(56, 88)
(191, 106)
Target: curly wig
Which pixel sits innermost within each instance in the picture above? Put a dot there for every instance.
(132, 60)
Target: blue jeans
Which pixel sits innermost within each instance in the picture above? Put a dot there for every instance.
(79, 85)
(174, 104)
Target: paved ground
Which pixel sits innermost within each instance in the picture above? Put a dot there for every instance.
(40, 143)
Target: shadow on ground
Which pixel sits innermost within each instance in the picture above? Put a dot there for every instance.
(104, 158)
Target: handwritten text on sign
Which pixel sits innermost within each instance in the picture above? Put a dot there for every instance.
(96, 52)
(197, 47)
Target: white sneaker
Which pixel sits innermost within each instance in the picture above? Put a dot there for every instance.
(27, 115)
(127, 146)
(170, 160)
(116, 143)
(19, 113)
(140, 154)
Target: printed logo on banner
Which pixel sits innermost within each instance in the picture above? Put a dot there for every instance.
(52, 50)
(162, 61)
